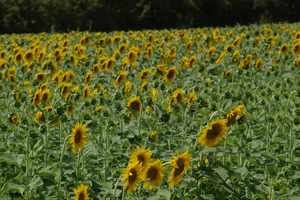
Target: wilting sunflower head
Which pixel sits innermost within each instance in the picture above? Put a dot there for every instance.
(141, 156)
(81, 192)
(179, 165)
(153, 174)
(78, 137)
(134, 104)
(213, 133)
(131, 176)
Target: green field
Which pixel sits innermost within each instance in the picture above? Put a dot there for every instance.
(76, 106)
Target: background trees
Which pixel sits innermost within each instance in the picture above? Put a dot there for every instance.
(107, 15)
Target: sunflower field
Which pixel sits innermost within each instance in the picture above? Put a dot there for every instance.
(203, 113)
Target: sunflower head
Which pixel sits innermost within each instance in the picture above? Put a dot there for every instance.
(81, 192)
(131, 176)
(134, 104)
(284, 48)
(120, 78)
(213, 134)
(179, 165)
(39, 117)
(237, 112)
(296, 48)
(145, 73)
(128, 87)
(141, 156)
(153, 174)
(78, 137)
(177, 96)
(171, 74)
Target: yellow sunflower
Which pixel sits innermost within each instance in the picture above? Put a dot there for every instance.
(135, 104)
(128, 87)
(236, 112)
(78, 137)
(179, 165)
(131, 176)
(296, 48)
(141, 156)
(153, 174)
(171, 74)
(81, 192)
(213, 134)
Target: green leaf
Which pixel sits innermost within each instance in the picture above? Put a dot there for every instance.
(12, 159)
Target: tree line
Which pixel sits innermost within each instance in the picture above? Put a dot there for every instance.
(107, 15)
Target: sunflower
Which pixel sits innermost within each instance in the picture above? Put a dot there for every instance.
(179, 165)
(220, 58)
(3, 63)
(81, 192)
(153, 174)
(14, 119)
(144, 74)
(296, 48)
(131, 176)
(78, 137)
(177, 96)
(154, 94)
(120, 78)
(141, 156)
(171, 74)
(211, 51)
(259, 64)
(128, 87)
(37, 97)
(135, 104)
(297, 62)
(191, 98)
(236, 112)
(213, 134)
(132, 56)
(39, 117)
(284, 48)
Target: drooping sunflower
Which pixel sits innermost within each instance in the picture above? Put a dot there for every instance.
(81, 192)
(153, 174)
(141, 156)
(213, 133)
(135, 104)
(131, 176)
(236, 112)
(179, 165)
(78, 137)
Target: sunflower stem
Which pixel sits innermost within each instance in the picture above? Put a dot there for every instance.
(60, 163)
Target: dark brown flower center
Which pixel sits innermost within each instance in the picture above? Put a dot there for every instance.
(81, 196)
(215, 130)
(152, 173)
(78, 136)
(132, 176)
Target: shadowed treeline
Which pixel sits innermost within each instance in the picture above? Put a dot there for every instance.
(107, 15)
